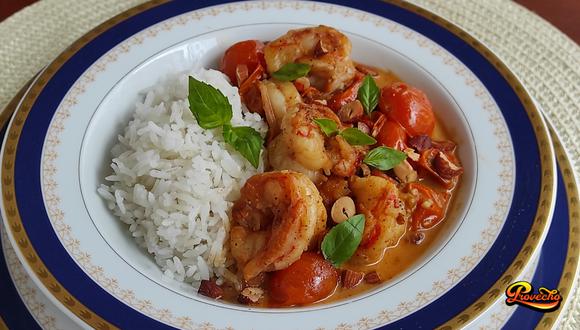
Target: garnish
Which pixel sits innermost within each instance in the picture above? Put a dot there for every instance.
(356, 137)
(212, 109)
(328, 126)
(209, 106)
(291, 71)
(246, 141)
(342, 240)
(384, 158)
(368, 94)
(353, 136)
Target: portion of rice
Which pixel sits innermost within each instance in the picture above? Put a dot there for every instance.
(174, 182)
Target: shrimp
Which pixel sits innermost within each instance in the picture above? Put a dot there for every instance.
(325, 49)
(345, 157)
(277, 98)
(278, 216)
(303, 147)
(378, 199)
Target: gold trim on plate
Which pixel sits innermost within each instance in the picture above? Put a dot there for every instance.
(568, 278)
(3, 325)
(26, 249)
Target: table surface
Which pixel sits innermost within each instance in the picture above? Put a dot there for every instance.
(564, 14)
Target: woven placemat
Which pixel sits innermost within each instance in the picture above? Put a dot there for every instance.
(546, 60)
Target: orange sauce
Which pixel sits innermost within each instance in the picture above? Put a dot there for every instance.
(406, 254)
(397, 259)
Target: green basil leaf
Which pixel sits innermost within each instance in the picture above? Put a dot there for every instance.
(384, 158)
(246, 140)
(356, 137)
(328, 126)
(291, 71)
(368, 94)
(209, 106)
(342, 240)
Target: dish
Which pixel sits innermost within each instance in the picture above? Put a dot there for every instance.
(91, 252)
(355, 166)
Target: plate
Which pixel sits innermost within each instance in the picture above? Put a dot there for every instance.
(557, 265)
(561, 249)
(84, 258)
(25, 306)
(28, 307)
(553, 268)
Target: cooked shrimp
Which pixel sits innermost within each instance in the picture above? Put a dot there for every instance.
(344, 156)
(378, 199)
(277, 98)
(325, 49)
(276, 219)
(302, 146)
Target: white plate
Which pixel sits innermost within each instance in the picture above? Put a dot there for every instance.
(45, 313)
(86, 97)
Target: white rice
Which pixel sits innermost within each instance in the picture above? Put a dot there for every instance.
(173, 182)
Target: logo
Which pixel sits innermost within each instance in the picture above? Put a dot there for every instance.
(521, 293)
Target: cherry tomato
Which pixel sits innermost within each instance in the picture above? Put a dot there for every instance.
(430, 208)
(392, 135)
(409, 107)
(248, 52)
(309, 279)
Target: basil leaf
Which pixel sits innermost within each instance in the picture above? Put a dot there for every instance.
(209, 106)
(368, 94)
(291, 71)
(328, 126)
(384, 158)
(342, 240)
(356, 137)
(246, 140)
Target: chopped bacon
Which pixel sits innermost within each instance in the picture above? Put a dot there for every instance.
(420, 142)
(210, 289)
(445, 167)
(441, 165)
(347, 95)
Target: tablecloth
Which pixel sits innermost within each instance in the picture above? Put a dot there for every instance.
(546, 60)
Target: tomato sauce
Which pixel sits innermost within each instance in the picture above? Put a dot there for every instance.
(421, 236)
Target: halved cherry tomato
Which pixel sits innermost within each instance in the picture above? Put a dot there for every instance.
(309, 279)
(392, 135)
(431, 206)
(249, 53)
(409, 107)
